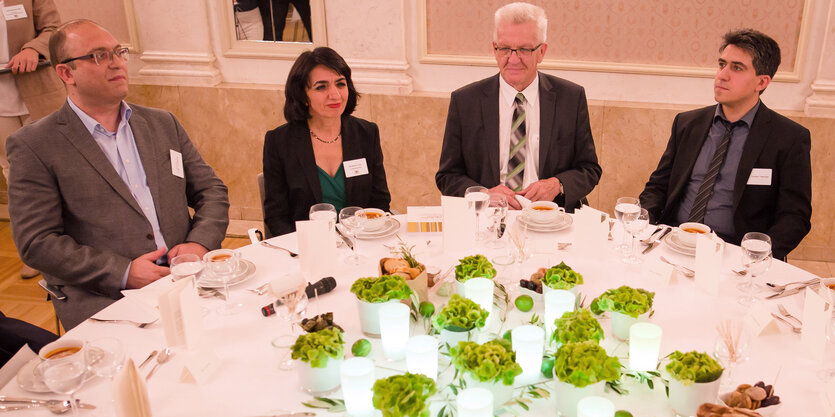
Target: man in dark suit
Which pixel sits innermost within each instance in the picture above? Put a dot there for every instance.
(738, 166)
(521, 131)
(100, 190)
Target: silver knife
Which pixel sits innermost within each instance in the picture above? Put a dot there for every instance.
(786, 293)
(657, 241)
(18, 401)
(344, 238)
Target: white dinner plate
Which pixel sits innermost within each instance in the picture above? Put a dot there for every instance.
(672, 241)
(208, 280)
(563, 221)
(391, 227)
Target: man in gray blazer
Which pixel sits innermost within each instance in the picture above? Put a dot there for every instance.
(520, 132)
(100, 190)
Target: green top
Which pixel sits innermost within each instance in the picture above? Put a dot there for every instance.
(333, 188)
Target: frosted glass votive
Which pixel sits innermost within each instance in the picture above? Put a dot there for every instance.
(480, 290)
(422, 356)
(595, 407)
(394, 330)
(475, 402)
(644, 346)
(357, 376)
(528, 343)
(557, 302)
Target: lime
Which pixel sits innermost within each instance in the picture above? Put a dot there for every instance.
(524, 303)
(426, 309)
(547, 368)
(361, 347)
(623, 413)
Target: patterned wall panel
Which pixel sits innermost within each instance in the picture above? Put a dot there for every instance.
(684, 33)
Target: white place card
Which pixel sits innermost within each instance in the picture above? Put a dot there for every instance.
(708, 263)
(591, 229)
(660, 272)
(181, 315)
(130, 394)
(424, 219)
(316, 249)
(459, 225)
(760, 321)
(815, 321)
(200, 366)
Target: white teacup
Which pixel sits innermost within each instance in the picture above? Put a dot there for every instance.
(687, 233)
(222, 262)
(375, 219)
(543, 212)
(60, 347)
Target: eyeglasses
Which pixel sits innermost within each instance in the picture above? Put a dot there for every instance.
(102, 55)
(505, 52)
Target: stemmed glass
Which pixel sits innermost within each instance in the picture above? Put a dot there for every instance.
(497, 211)
(293, 305)
(224, 264)
(756, 258)
(477, 199)
(65, 375)
(105, 357)
(324, 212)
(518, 235)
(186, 265)
(730, 348)
(625, 205)
(353, 222)
(634, 223)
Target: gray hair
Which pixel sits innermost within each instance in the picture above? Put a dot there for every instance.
(521, 13)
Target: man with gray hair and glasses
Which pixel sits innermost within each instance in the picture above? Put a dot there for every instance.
(520, 132)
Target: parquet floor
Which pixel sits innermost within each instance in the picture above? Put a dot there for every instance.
(25, 300)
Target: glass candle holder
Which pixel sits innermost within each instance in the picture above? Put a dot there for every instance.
(528, 343)
(475, 402)
(557, 302)
(644, 346)
(480, 290)
(422, 356)
(394, 330)
(357, 375)
(595, 407)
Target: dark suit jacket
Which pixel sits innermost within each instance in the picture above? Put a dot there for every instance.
(291, 179)
(470, 153)
(781, 210)
(74, 218)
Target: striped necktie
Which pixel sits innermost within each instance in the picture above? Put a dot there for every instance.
(697, 212)
(518, 146)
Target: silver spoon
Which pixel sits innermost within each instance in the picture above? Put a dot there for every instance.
(161, 359)
(786, 314)
(270, 245)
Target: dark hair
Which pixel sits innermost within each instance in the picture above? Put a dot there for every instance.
(57, 52)
(764, 51)
(296, 104)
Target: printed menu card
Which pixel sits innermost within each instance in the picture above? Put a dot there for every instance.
(316, 249)
(459, 224)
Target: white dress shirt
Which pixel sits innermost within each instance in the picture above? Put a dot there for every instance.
(507, 95)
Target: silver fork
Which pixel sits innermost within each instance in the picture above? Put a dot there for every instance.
(681, 268)
(261, 290)
(135, 323)
(794, 328)
(270, 245)
(779, 288)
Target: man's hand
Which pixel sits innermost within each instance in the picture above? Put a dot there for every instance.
(542, 190)
(188, 247)
(508, 193)
(25, 61)
(144, 271)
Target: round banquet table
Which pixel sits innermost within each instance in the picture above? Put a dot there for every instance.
(249, 382)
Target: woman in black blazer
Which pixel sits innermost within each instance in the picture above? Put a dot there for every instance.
(322, 154)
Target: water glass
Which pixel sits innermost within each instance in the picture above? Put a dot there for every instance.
(497, 211)
(623, 206)
(65, 375)
(477, 199)
(756, 258)
(635, 223)
(224, 264)
(105, 357)
(186, 266)
(324, 212)
(349, 217)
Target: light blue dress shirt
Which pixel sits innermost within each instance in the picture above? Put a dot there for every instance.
(120, 149)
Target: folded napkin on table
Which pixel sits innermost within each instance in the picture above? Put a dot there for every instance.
(130, 395)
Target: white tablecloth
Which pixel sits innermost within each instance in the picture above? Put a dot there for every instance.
(249, 382)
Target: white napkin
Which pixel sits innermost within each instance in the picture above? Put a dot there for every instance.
(591, 229)
(524, 202)
(137, 306)
(130, 395)
(12, 367)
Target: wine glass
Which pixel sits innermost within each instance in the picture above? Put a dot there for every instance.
(324, 212)
(518, 235)
(625, 205)
(65, 375)
(224, 263)
(497, 211)
(634, 223)
(477, 199)
(730, 349)
(353, 222)
(105, 357)
(185, 266)
(756, 258)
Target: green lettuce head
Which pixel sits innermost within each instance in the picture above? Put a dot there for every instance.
(577, 326)
(585, 363)
(562, 277)
(692, 367)
(460, 314)
(315, 348)
(476, 266)
(403, 395)
(625, 300)
(381, 289)
(494, 361)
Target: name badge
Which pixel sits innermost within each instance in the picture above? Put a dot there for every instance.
(355, 167)
(14, 12)
(760, 176)
(177, 164)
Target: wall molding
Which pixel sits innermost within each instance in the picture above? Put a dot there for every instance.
(133, 30)
(794, 76)
(381, 76)
(178, 68)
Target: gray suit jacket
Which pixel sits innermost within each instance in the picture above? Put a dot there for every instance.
(470, 152)
(74, 218)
